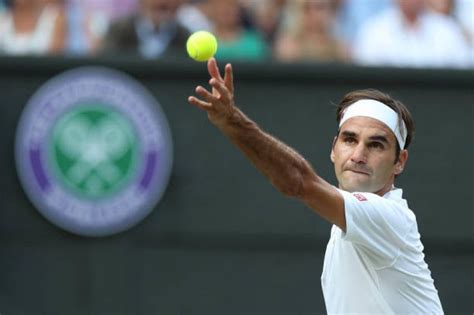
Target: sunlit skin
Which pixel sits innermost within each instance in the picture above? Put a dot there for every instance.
(363, 154)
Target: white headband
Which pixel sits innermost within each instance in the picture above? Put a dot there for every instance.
(380, 111)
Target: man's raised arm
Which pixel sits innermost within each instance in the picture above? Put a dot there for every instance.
(287, 170)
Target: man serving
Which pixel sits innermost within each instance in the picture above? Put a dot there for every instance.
(374, 261)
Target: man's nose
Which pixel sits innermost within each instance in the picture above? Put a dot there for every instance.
(359, 155)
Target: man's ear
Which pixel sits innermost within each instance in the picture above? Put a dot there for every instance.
(332, 148)
(402, 159)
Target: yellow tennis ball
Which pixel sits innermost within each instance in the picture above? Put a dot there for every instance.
(201, 45)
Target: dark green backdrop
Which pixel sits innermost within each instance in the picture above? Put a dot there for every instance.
(223, 240)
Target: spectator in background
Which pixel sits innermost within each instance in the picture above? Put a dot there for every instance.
(110, 9)
(409, 35)
(194, 15)
(351, 14)
(234, 40)
(448, 8)
(464, 11)
(444, 7)
(266, 16)
(87, 23)
(151, 33)
(31, 27)
(307, 34)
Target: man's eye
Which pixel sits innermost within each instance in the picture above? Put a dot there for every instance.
(376, 145)
(349, 140)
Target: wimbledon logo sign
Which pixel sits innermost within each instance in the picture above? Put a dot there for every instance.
(93, 151)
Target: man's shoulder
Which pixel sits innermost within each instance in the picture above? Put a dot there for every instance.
(392, 201)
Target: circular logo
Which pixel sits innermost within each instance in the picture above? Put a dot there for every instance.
(93, 151)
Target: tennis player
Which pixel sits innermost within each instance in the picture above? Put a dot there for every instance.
(374, 261)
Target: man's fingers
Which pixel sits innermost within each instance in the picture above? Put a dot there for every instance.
(229, 78)
(200, 104)
(206, 95)
(221, 89)
(214, 69)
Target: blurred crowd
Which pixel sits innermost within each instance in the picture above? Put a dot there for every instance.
(400, 33)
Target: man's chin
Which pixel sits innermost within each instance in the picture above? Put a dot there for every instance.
(355, 187)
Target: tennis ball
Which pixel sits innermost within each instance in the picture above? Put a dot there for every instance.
(201, 45)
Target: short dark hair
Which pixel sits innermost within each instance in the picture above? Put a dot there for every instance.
(373, 94)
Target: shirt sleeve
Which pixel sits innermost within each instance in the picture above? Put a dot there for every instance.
(379, 225)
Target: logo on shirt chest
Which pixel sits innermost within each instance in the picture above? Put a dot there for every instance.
(360, 197)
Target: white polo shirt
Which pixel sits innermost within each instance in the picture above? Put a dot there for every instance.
(377, 266)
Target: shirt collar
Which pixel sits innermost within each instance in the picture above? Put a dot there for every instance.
(396, 194)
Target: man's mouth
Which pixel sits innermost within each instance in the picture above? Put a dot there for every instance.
(358, 172)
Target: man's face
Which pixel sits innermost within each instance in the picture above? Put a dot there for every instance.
(364, 156)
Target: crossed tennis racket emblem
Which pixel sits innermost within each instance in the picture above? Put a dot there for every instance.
(93, 149)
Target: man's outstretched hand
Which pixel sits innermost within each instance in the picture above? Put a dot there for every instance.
(219, 104)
